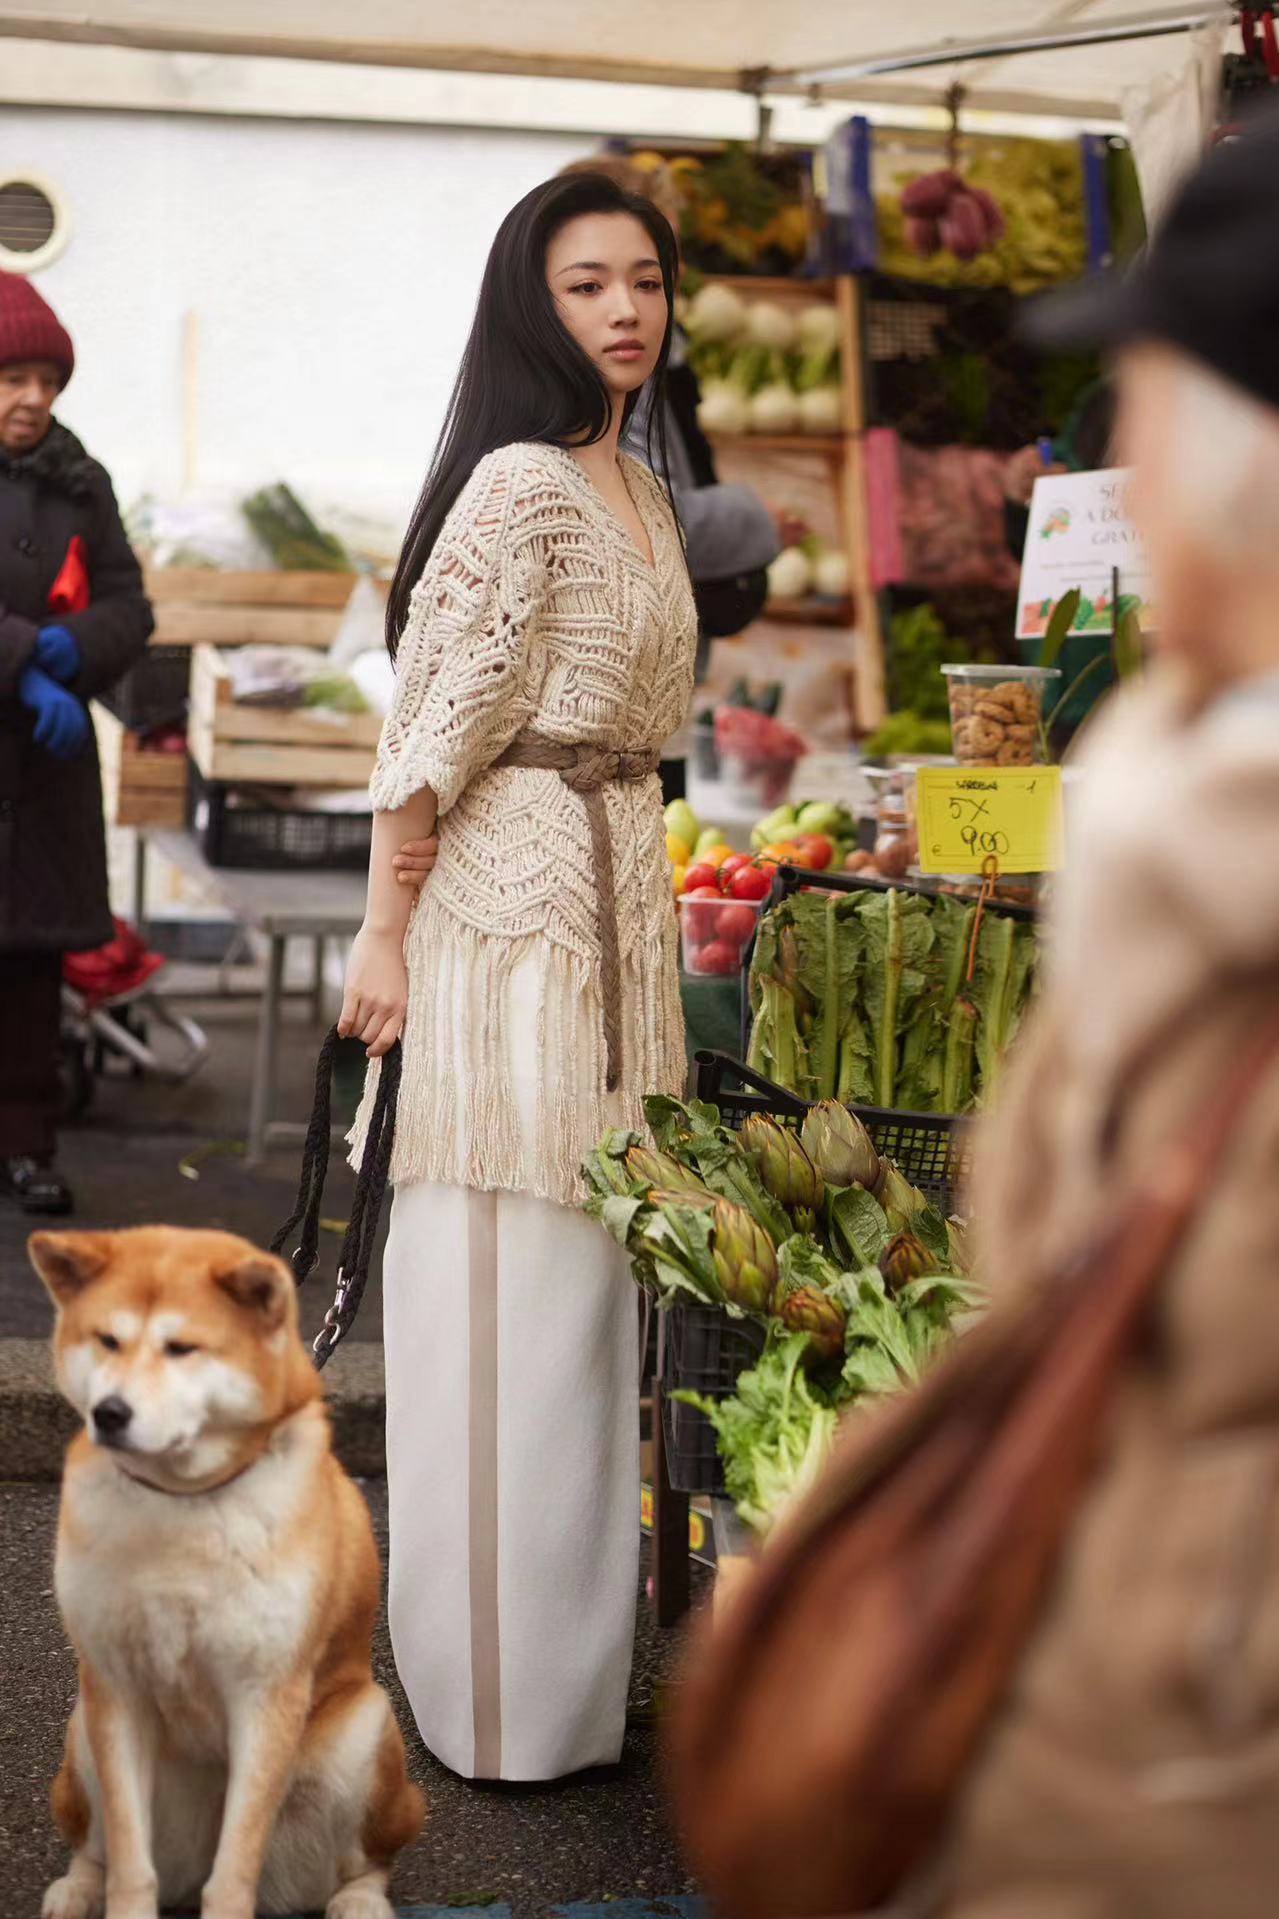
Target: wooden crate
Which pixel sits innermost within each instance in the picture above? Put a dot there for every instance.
(139, 788)
(196, 606)
(272, 746)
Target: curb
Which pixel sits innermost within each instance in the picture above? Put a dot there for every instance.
(36, 1422)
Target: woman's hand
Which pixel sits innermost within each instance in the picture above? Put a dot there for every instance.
(377, 990)
(415, 861)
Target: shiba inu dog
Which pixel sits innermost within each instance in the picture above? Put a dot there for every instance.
(217, 1572)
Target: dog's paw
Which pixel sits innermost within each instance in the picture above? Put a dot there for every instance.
(358, 1902)
(78, 1896)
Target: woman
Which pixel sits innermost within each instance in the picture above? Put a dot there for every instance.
(1136, 1771)
(544, 632)
(73, 618)
(730, 536)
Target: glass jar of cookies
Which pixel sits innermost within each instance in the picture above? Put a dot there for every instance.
(997, 713)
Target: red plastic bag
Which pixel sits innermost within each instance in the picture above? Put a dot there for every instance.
(121, 966)
(70, 591)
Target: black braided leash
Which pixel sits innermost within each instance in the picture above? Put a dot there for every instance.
(366, 1206)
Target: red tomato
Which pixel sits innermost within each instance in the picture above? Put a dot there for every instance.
(701, 891)
(751, 883)
(819, 850)
(733, 864)
(699, 911)
(700, 875)
(736, 924)
(718, 957)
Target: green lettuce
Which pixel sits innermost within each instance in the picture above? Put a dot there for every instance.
(774, 1433)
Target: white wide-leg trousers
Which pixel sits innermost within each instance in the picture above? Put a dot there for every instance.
(513, 1474)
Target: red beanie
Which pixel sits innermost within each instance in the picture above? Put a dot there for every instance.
(30, 329)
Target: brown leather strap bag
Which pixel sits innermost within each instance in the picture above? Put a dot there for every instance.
(826, 1719)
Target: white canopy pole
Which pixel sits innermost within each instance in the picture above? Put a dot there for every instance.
(1047, 39)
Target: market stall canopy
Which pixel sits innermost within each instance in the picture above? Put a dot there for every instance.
(720, 44)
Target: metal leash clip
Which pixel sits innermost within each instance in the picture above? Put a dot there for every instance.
(333, 1331)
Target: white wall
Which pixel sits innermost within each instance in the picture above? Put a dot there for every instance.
(333, 269)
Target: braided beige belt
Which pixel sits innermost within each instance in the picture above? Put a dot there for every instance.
(588, 770)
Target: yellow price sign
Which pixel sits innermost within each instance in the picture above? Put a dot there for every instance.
(968, 814)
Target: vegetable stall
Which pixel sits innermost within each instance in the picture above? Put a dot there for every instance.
(852, 316)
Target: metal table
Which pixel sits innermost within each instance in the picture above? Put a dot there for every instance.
(319, 906)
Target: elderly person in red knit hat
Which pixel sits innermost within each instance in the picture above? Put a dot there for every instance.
(73, 617)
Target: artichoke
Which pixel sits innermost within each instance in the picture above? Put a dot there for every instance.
(745, 1258)
(701, 1200)
(824, 1320)
(840, 1147)
(782, 1164)
(899, 1199)
(662, 1170)
(961, 1252)
(903, 1259)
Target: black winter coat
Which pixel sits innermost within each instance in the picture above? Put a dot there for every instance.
(53, 865)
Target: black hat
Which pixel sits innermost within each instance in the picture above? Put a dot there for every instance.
(1208, 282)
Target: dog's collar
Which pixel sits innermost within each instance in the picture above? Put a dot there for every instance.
(196, 1492)
(281, 1432)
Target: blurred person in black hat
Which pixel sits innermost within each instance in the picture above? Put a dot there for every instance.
(73, 618)
(1135, 1767)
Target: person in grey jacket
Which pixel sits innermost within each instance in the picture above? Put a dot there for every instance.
(731, 536)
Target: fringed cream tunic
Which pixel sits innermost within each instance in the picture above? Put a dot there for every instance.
(537, 613)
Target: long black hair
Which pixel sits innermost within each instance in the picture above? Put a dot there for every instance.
(523, 376)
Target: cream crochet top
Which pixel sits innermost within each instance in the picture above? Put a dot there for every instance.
(537, 611)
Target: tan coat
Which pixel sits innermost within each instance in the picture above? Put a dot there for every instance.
(1136, 1773)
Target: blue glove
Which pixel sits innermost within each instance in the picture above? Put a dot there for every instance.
(62, 725)
(58, 654)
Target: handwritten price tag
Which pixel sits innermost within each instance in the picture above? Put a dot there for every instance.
(967, 813)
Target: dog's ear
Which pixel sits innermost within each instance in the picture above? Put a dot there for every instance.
(260, 1284)
(68, 1262)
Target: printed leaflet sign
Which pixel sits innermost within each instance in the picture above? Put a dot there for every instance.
(1077, 536)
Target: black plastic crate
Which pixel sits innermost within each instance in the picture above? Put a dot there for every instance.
(703, 1351)
(932, 1149)
(232, 831)
(153, 693)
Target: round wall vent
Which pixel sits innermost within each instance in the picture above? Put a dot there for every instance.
(33, 222)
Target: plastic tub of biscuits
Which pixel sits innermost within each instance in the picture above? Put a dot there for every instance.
(997, 713)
